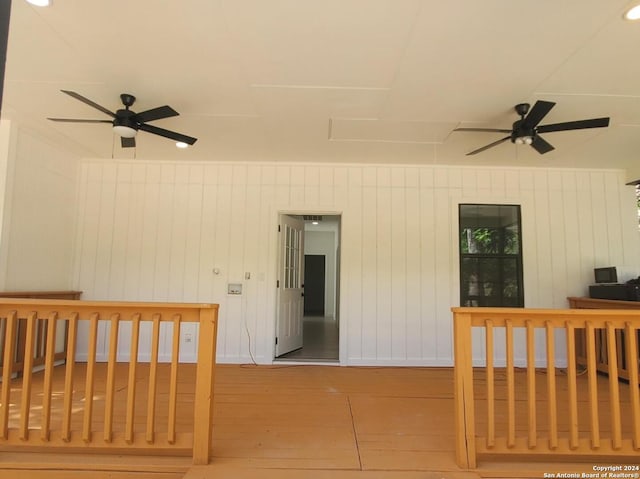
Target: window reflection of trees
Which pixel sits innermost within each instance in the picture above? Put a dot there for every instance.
(491, 263)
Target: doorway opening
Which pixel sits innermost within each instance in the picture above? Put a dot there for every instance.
(309, 248)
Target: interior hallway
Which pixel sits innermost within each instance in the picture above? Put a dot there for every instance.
(320, 340)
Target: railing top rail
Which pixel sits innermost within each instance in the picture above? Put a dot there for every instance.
(104, 309)
(521, 312)
(539, 317)
(22, 294)
(614, 302)
(119, 304)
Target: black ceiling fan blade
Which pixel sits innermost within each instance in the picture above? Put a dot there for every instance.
(541, 145)
(127, 142)
(497, 130)
(574, 125)
(490, 145)
(79, 97)
(168, 134)
(78, 120)
(537, 113)
(156, 114)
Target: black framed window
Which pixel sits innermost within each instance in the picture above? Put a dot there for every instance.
(490, 255)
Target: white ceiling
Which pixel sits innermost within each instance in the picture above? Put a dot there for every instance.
(331, 80)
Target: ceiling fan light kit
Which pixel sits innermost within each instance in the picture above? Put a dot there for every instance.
(126, 123)
(525, 140)
(525, 131)
(124, 131)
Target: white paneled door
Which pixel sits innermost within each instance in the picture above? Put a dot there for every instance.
(290, 287)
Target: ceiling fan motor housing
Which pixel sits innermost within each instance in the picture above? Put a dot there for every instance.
(520, 131)
(125, 124)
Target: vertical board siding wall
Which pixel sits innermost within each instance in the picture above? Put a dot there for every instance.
(37, 249)
(155, 231)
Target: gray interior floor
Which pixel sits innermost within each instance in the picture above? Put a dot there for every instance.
(319, 340)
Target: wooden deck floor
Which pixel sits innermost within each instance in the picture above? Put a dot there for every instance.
(286, 421)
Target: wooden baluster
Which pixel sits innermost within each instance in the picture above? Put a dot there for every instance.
(50, 352)
(7, 369)
(205, 376)
(3, 330)
(572, 384)
(551, 386)
(27, 376)
(67, 408)
(89, 382)
(592, 376)
(18, 353)
(614, 391)
(620, 349)
(153, 378)
(531, 384)
(111, 377)
(131, 385)
(601, 345)
(511, 387)
(491, 386)
(173, 385)
(40, 338)
(631, 335)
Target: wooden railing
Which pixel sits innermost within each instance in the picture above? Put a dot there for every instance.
(602, 356)
(511, 406)
(111, 406)
(40, 334)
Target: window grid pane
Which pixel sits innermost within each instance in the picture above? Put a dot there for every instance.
(292, 258)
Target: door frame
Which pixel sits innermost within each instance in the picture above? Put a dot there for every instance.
(342, 340)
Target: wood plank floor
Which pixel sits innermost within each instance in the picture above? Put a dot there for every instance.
(316, 422)
(333, 418)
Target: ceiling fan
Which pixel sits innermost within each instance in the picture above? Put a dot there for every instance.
(526, 130)
(126, 122)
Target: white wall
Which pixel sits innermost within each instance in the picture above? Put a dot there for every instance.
(38, 227)
(154, 231)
